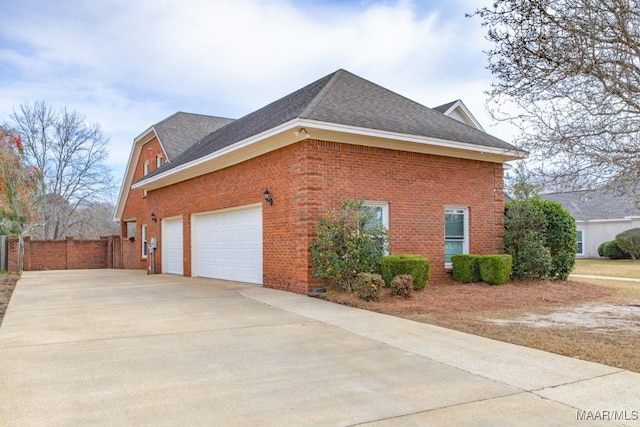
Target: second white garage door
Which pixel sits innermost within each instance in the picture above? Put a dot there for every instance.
(228, 244)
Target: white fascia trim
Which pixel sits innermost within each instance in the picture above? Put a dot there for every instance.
(465, 110)
(292, 124)
(409, 138)
(310, 125)
(591, 221)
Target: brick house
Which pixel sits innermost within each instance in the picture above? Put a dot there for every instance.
(200, 191)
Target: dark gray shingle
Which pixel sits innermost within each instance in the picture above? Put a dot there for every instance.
(591, 205)
(181, 130)
(342, 98)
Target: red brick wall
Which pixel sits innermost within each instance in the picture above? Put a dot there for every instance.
(307, 178)
(138, 208)
(65, 254)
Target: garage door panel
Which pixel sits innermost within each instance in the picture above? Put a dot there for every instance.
(228, 245)
(172, 245)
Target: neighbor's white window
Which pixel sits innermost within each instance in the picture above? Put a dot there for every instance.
(143, 233)
(580, 250)
(158, 160)
(456, 232)
(145, 168)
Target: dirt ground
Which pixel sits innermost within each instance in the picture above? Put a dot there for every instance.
(7, 284)
(591, 321)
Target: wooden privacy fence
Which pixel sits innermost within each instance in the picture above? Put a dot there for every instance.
(67, 254)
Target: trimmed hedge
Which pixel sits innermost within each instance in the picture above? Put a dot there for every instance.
(629, 241)
(495, 269)
(416, 266)
(465, 268)
(491, 269)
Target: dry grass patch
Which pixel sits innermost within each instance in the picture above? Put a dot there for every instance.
(504, 313)
(608, 267)
(7, 284)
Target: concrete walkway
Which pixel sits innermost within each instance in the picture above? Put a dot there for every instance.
(590, 276)
(113, 347)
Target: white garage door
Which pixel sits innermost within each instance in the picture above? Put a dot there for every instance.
(228, 244)
(172, 246)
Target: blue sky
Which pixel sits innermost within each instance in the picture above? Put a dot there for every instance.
(127, 64)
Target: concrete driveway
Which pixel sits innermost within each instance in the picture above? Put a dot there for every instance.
(114, 347)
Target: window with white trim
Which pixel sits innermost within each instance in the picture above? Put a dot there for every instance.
(580, 249)
(380, 215)
(143, 234)
(145, 168)
(158, 160)
(456, 232)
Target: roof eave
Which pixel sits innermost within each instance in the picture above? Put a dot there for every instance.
(288, 133)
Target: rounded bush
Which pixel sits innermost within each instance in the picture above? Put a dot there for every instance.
(601, 248)
(402, 286)
(368, 285)
(416, 266)
(629, 241)
(612, 251)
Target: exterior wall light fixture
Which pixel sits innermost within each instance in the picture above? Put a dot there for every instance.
(267, 196)
(154, 218)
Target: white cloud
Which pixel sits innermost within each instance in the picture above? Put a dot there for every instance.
(128, 64)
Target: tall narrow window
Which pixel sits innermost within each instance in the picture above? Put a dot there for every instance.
(158, 160)
(145, 168)
(456, 234)
(381, 217)
(580, 249)
(143, 233)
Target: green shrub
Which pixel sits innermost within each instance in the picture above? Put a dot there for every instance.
(414, 265)
(629, 241)
(601, 249)
(495, 269)
(525, 228)
(402, 286)
(561, 237)
(613, 251)
(465, 268)
(368, 285)
(347, 244)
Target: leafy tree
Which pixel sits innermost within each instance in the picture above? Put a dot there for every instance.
(347, 243)
(18, 185)
(520, 183)
(567, 73)
(71, 155)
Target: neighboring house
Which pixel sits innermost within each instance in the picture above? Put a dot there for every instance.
(599, 215)
(243, 202)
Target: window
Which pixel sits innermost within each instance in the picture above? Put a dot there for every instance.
(145, 168)
(381, 216)
(580, 250)
(158, 160)
(143, 234)
(456, 234)
(131, 230)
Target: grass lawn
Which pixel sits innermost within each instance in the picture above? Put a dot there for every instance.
(590, 319)
(604, 267)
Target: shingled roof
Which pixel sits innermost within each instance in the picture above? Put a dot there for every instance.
(595, 204)
(181, 130)
(346, 99)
